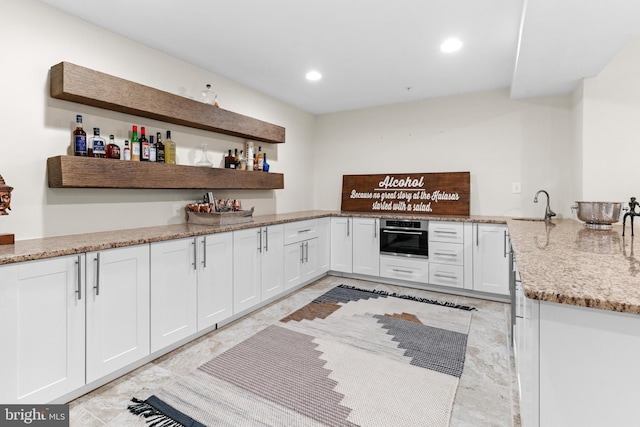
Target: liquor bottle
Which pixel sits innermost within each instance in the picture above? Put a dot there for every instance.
(248, 150)
(159, 148)
(229, 161)
(113, 149)
(260, 159)
(265, 165)
(243, 161)
(97, 144)
(255, 162)
(126, 153)
(169, 150)
(236, 159)
(144, 146)
(79, 138)
(135, 145)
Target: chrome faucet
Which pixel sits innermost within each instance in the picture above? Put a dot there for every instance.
(548, 212)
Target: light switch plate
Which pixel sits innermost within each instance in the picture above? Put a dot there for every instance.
(515, 188)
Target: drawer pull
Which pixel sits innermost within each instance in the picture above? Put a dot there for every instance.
(446, 276)
(397, 270)
(445, 232)
(306, 230)
(445, 254)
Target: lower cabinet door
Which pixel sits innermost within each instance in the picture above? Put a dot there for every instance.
(414, 270)
(117, 309)
(293, 259)
(215, 279)
(173, 291)
(272, 261)
(446, 275)
(42, 329)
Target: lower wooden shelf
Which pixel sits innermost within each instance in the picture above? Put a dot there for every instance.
(88, 172)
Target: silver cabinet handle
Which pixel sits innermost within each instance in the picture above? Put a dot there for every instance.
(195, 254)
(477, 234)
(79, 290)
(97, 285)
(306, 230)
(260, 240)
(301, 253)
(397, 270)
(444, 254)
(414, 233)
(266, 239)
(204, 252)
(348, 227)
(445, 232)
(445, 276)
(306, 247)
(375, 229)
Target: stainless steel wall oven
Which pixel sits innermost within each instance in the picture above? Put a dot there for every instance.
(408, 238)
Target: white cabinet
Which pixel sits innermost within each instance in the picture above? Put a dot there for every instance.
(404, 268)
(447, 254)
(301, 252)
(117, 304)
(257, 265)
(491, 266)
(173, 291)
(215, 278)
(272, 261)
(341, 244)
(324, 245)
(42, 329)
(366, 246)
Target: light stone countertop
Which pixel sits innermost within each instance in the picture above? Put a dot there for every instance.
(26, 250)
(567, 263)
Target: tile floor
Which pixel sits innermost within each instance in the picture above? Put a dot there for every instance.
(486, 393)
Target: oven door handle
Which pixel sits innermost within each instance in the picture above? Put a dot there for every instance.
(417, 233)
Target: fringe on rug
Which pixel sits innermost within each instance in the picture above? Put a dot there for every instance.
(153, 417)
(412, 298)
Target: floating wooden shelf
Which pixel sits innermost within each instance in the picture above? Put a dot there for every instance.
(88, 172)
(79, 84)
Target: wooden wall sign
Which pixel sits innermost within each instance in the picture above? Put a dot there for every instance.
(443, 193)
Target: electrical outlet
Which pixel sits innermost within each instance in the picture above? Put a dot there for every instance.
(515, 188)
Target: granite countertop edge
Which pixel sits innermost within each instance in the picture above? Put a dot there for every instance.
(73, 244)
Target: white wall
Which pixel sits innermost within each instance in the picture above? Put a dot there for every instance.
(611, 129)
(35, 127)
(499, 140)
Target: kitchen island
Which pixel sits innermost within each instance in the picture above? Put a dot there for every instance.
(577, 332)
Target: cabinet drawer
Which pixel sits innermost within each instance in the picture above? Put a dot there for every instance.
(446, 275)
(446, 253)
(404, 268)
(446, 232)
(298, 231)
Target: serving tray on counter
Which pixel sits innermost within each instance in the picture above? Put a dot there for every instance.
(219, 218)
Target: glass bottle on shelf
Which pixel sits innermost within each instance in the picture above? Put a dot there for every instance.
(265, 165)
(229, 161)
(159, 148)
(208, 96)
(204, 160)
(135, 145)
(97, 144)
(260, 158)
(144, 146)
(113, 149)
(152, 149)
(79, 138)
(126, 152)
(169, 150)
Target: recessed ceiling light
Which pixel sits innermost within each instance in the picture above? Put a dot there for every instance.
(450, 45)
(313, 76)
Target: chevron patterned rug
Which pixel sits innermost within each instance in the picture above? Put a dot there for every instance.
(351, 357)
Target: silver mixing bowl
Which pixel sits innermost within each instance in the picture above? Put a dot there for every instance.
(598, 215)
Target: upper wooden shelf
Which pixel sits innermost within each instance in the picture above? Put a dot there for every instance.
(79, 84)
(91, 172)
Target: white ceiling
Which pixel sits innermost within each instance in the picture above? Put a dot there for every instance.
(376, 52)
